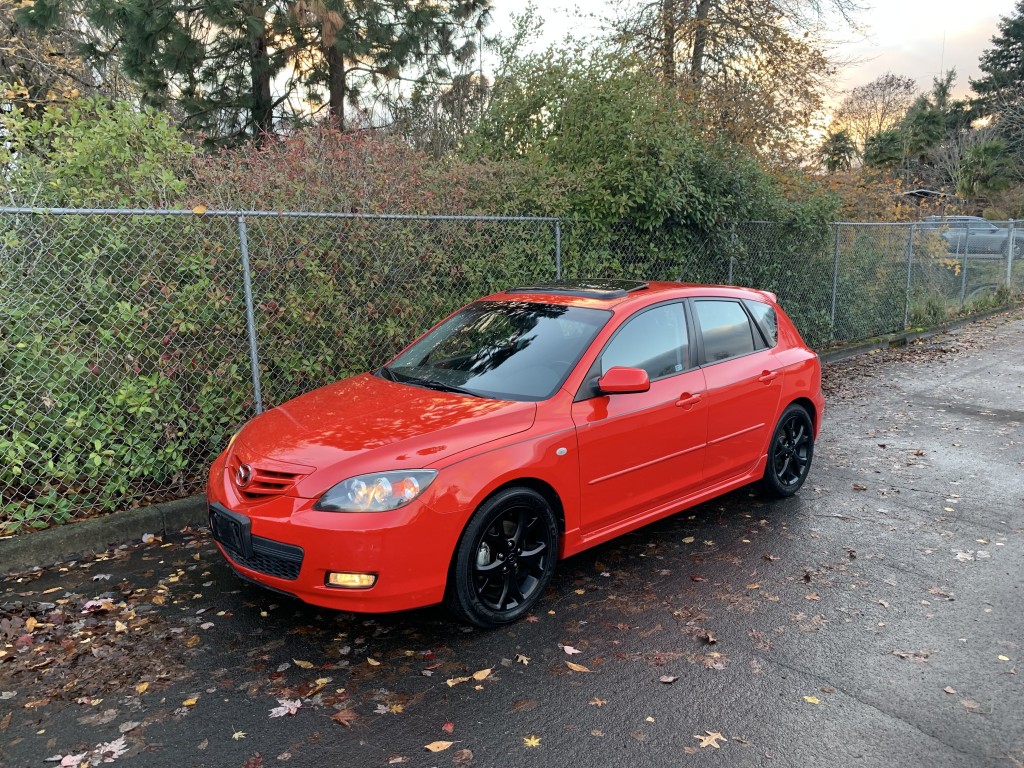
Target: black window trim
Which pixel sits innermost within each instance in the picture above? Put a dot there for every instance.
(702, 361)
(588, 387)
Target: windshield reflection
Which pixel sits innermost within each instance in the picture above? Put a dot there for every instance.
(504, 350)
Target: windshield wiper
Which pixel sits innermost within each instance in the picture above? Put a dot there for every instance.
(387, 373)
(432, 384)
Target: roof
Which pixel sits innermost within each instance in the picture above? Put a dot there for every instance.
(607, 294)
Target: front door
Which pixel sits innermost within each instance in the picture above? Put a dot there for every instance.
(641, 450)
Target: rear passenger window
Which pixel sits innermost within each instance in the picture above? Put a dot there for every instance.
(764, 316)
(725, 329)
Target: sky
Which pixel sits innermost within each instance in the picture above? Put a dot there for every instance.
(917, 38)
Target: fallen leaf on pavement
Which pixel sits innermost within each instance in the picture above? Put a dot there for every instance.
(438, 746)
(531, 741)
(345, 717)
(812, 699)
(598, 702)
(710, 739)
(287, 707)
(239, 735)
(453, 681)
(482, 674)
(303, 664)
(569, 650)
(576, 667)
(667, 679)
(448, 727)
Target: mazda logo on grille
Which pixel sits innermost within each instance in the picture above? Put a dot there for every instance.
(243, 476)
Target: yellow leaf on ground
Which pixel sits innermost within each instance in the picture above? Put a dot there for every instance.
(531, 741)
(190, 701)
(812, 699)
(710, 739)
(438, 746)
(576, 667)
(453, 681)
(688, 540)
(30, 623)
(372, 662)
(482, 674)
(193, 641)
(142, 687)
(303, 664)
(199, 210)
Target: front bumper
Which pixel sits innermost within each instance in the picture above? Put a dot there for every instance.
(287, 546)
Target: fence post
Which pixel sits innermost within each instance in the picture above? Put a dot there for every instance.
(1011, 244)
(910, 267)
(835, 279)
(963, 268)
(250, 316)
(558, 249)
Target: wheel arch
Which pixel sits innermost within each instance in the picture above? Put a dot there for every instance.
(807, 405)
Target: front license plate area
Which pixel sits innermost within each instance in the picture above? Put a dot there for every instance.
(231, 530)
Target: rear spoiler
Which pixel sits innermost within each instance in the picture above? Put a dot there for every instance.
(770, 295)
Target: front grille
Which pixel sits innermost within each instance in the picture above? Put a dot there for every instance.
(264, 482)
(270, 557)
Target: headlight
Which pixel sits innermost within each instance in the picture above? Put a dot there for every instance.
(379, 492)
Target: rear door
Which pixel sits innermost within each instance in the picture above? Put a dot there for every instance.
(744, 384)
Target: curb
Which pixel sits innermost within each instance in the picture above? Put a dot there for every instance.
(89, 537)
(903, 337)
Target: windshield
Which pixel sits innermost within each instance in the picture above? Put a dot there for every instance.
(502, 350)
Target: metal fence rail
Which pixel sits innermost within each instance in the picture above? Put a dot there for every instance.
(134, 342)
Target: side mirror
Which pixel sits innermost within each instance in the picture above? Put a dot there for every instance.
(620, 380)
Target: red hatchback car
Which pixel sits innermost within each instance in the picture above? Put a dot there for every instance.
(522, 429)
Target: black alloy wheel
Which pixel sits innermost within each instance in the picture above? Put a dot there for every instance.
(504, 560)
(790, 452)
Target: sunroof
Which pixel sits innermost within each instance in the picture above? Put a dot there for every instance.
(591, 289)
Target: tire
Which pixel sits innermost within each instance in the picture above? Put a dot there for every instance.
(790, 452)
(504, 559)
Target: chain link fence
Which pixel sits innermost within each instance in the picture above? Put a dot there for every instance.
(133, 343)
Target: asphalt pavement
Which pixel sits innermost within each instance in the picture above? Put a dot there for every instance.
(876, 619)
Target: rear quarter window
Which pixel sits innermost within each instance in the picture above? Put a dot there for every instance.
(766, 319)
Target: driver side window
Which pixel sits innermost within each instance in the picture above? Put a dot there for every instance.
(654, 340)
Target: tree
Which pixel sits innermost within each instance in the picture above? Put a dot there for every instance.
(348, 43)
(986, 169)
(237, 68)
(876, 107)
(885, 149)
(1003, 65)
(45, 65)
(753, 70)
(837, 152)
(608, 134)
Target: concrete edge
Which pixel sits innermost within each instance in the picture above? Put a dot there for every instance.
(89, 537)
(902, 338)
(24, 552)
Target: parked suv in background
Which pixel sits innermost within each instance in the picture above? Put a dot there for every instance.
(974, 235)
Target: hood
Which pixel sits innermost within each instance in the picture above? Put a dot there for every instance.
(369, 424)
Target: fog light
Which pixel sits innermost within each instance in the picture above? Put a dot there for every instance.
(351, 580)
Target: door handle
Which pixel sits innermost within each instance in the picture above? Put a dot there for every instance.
(686, 399)
(767, 377)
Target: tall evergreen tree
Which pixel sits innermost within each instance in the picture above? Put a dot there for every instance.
(1003, 65)
(237, 68)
